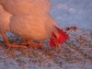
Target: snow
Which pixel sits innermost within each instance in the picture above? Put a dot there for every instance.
(72, 12)
(76, 53)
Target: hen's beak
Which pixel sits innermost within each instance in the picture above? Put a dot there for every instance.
(58, 45)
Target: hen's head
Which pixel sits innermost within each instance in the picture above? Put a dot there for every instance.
(58, 38)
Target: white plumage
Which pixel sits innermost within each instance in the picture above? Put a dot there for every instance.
(25, 6)
(31, 19)
(4, 20)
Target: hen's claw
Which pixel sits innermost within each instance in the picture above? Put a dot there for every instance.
(16, 46)
(32, 45)
(8, 42)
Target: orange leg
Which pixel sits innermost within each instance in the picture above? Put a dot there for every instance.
(31, 44)
(9, 44)
(39, 46)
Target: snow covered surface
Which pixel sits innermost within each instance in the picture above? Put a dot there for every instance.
(76, 53)
(72, 12)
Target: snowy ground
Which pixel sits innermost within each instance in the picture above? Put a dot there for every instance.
(72, 12)
(76, 53)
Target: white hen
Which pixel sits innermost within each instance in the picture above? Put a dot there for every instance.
(31, 21)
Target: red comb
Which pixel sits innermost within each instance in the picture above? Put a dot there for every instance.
(63, 36)
(52, 42)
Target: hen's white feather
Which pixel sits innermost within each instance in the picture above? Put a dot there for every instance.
(30, 19)
(4, 20)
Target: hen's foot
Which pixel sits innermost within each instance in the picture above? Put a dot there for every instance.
(8, 42)
(15, 45)
(32, 45)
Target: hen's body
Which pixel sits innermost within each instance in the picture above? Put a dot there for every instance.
(4, 20)
(5, 26)
(35, 27)
(25, 6)
(31, 19)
